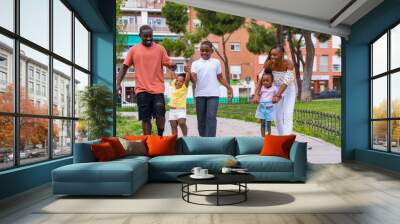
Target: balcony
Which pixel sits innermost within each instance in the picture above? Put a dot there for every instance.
(143, 4)
(134, 28)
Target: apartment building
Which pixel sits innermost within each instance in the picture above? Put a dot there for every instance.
(244, 66)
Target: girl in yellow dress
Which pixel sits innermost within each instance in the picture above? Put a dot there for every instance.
(177, 104)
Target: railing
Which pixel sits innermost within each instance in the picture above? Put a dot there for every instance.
(326, 124)
(150, 4)
(134, 28)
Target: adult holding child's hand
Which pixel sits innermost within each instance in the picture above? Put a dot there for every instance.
(285, 98)
(148, 59)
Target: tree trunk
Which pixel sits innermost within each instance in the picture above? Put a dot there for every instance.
(279, 35)
(225, 59)
(296, 62)
(308, 68)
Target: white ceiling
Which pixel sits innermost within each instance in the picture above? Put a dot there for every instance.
(315, 15)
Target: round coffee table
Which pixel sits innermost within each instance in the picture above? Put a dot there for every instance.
(238, 179)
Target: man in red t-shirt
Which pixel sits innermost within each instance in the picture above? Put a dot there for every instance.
(148, 58)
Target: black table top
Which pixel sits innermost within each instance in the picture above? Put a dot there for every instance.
(220, 178)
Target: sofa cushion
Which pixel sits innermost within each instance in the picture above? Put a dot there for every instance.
(112, 171)
(161, 145)
(249, 145)
(135, 147)
(116, 145)
(103, 152)
(185, 163)
(275, 145)
(207, 145)
(83, 152)
(257, 163)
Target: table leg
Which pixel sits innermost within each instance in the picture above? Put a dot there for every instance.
(217, 194)
(245, 193)
(196, 188)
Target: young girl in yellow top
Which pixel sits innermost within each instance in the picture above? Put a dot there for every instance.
(177, 104)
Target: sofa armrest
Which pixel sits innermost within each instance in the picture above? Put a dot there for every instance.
(298, 155)
(83, 152)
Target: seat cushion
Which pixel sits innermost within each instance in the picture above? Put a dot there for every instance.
(249, 145)
(185, 163)
(257, 163)
(206, 145)
(112, 171)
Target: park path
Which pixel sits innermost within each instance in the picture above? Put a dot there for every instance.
(318, 152)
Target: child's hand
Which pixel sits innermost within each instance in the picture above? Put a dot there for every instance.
(230, 94)
(256, 100)
(186, 68)
(275, 99)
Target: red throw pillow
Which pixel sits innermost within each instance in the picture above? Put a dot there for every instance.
(277, 145)
(161, 145)
(103, 152)
(136, 137)
(116, 145)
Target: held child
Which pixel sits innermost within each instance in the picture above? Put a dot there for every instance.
(265, 107)
(177, 112)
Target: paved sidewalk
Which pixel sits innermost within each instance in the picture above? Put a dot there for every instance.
(319, 151)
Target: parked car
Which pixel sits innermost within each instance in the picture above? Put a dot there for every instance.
(328, 94)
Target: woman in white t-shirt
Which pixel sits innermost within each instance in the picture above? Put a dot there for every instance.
(207, 76)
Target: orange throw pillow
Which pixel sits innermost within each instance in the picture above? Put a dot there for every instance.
(136, 137)
(161, 145)
(277, 145)
(116, 145)
(103, 152)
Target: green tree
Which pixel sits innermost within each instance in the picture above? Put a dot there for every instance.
(121, 37)
(222, 25)
(297, 39)
(261, 40)
(177, 20)
(176, 16)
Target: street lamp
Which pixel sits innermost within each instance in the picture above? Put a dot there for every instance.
(248, 80)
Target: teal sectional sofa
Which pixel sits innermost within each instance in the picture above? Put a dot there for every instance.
(125, 176)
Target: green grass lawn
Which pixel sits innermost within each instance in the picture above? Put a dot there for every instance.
(246, 112)
(131, 126)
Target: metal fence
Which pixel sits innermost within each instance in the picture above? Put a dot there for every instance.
(325, 123)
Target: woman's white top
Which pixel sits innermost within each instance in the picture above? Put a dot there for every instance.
(280, 78)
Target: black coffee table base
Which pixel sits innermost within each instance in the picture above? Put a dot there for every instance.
(220, 193)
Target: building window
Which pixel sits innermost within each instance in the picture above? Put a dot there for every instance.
(336, 63)
(3, 78)
(235, 46)
(323, 63)
(385, 97)
(324, 44)
(30, 73)
(38, 89)
(3, 70)
(336, 42)
(235, 71)
(131, 69)
(44, 91)
(35, 54)
(215, 45)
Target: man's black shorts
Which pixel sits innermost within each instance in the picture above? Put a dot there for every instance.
(150, 105)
